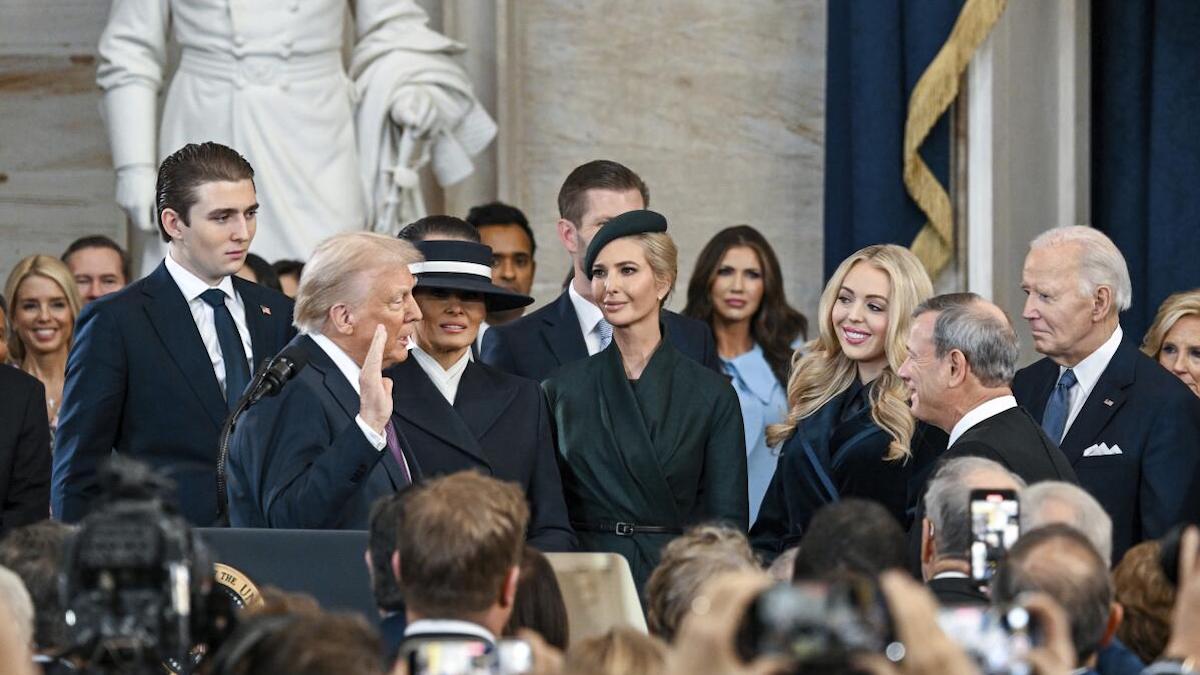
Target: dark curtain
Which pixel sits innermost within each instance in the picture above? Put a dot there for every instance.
(876, 52)
(1146, 144)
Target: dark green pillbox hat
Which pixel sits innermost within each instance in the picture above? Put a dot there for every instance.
(625, 225)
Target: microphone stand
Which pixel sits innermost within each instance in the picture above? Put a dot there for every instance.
(250, 397)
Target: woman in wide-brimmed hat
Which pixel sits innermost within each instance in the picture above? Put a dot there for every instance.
(461, 414)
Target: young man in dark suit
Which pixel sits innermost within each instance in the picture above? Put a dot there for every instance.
(1130, 429)
(24, 448)
(319, 453)
(572, 327)
(157, 366)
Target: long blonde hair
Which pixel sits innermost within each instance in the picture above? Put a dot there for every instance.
(1174, 308)
(824, 371)
(52, 269)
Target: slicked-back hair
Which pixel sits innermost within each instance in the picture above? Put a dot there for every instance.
(948, 503)
(461, 536)
(100, 241)
(499, 213)
(190, 167)
(440, 227)
(383, 533)
(598, 174)
(989, 343)
(1034, 564)
(333, 273)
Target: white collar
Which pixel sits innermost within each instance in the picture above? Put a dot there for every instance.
(448, 627)
(979, 413)
(349, 369)
(587, 311)
(445, 379)
(950, 575)
(1089, 370)
(190, 284)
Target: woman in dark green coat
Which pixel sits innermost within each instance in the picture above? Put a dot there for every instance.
(650, 441)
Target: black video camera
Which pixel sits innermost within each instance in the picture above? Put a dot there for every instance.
(137, 584)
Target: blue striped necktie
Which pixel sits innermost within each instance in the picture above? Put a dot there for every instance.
(1054, 419)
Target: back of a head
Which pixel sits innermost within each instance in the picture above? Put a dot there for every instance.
(309, 643)
(15, 601)
(539, 604)
(620, 651)
(383, 531)
(598, 174)
(948, 497)
(1148, 598)
(980, 330)
(1059, 561)
(853, 535)
(461, 536)
(34, 553)
(687, 562)
(1051, 502)
(439, 227)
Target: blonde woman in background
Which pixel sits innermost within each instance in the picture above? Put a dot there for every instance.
(849, 432)
(43, 302)
(1174, 338)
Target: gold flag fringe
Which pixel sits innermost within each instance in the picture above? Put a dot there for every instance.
(935, 91)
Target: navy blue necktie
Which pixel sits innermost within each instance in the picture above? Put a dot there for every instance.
(237, 371)
(1054, 420)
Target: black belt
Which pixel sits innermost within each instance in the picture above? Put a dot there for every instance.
(625, 529)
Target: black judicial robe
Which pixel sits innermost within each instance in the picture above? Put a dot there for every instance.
(843, 439)
(665, 451)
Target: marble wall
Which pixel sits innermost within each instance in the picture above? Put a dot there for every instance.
(719, 106)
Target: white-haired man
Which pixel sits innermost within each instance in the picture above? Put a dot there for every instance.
(321, 451)
(1130, 429)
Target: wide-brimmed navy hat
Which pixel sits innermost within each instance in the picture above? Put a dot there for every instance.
(463, 266)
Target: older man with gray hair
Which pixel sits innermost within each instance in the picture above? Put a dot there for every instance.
(1052, 501)
(321, 451)
(1130, 429)
(962, 353)
(946, 527)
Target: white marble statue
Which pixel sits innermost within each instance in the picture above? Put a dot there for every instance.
(266, 77)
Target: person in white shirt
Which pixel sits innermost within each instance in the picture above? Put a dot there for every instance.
(461, 414)
(1130, 429)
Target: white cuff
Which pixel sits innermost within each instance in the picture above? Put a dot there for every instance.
(379, 442)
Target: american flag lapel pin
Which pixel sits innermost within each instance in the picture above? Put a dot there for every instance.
(267, 310)
(1108, 401)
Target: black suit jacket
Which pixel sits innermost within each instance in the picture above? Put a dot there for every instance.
(140, 382)
(299, 460)
(1154, 419)
(499, 425)
(1015, 440)
(24, 450)
(957, 592)
(535, 345)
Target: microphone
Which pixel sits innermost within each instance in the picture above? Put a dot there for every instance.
(286, 365)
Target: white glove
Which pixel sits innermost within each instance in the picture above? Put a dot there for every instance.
(414, 107)
(135, 195)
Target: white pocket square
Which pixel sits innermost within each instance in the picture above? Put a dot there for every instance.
(1101, 450)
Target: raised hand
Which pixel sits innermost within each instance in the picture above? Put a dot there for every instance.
(375, 398)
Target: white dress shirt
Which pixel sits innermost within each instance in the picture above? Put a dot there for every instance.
(589, 317)
(448, 627)
(192, 287)
(350, 370)
(979, 413)
(483, 329)
(1087, 374)
(445, 380)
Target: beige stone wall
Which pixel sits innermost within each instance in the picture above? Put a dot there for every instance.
(718, 105)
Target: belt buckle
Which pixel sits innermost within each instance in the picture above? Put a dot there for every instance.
(624, 529)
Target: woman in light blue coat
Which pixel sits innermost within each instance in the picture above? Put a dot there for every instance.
(737, 289)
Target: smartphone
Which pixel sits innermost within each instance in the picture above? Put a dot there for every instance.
(998, 639)
(995, 526)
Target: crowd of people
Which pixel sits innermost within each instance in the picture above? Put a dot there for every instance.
(711, 449)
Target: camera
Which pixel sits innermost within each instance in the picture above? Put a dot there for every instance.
(998, 639)
(816, 624)
(470, 657)
(137, 585)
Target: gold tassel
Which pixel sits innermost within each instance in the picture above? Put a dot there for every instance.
(935, 91)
